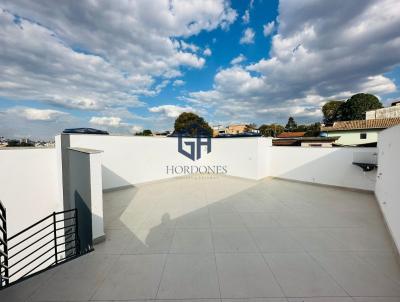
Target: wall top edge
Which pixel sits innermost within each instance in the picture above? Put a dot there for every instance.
(85, 150)
(158, 137)
(25, 148)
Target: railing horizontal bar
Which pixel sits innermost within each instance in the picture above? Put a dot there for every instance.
(30, 227)
(37, 232)
(64, 236)
(41, 255)
(65, 219)
(3, 254)
(66, 242)
(65, 227)
(38, 266)
(3, 230)
(70, 230)
(39, 248)
(65, 211)
(25, 248)
(66, 250)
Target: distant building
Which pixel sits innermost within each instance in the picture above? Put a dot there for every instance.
(359, 132)
(298, 139)
(219, 130)
(236, 129)
(384, 113)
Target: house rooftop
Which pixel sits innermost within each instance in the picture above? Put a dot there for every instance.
(362, 124)
(233, 239)
(290, 134)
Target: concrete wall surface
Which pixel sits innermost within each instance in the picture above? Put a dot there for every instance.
(85, 193)
(388, 181)
(28, 185)
(130, 160)
(328, 166)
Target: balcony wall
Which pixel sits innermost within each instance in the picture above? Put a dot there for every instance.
(388, 181)
(129, 160)
(328, 166)
(29, 185)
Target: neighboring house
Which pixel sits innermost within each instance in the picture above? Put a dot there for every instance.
(383, 113)
(305, 141)
(236, 129)
(219, 130)
(359, 132)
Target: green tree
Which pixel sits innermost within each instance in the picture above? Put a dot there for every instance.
(191, 124)
(147, 132)
(271, 130)
(291, 125)
(332, 111)
(358, 104)
(313, 130)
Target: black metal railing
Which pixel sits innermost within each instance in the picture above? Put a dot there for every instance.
(4, 280)
(50, 241)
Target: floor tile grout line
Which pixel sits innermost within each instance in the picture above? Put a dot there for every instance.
(266, 262)
(105, 275)
(326, 271)
(213, 245)
(365, 261)
(164, 265)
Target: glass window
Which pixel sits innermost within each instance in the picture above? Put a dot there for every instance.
(363, 135)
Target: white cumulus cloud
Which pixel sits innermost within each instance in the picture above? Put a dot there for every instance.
(171, 111)
(248, 36)
(207, 52)
(34, 114)
(95, 55)
(177, 83)
(268, 28)
(321, 50)
(239, 59)
(246, 17)
(111, 121)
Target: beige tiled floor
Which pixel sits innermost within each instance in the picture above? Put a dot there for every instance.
(229, 239)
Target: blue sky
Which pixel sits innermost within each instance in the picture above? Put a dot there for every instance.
(125, 66)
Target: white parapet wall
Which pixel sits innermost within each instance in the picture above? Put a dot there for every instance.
(131, 160)
(327, 166)
(29, 187)
(387, 189)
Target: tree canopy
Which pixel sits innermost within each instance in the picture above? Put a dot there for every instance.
(352, 109)
(145, 132)
(291, 124)
(191, 124)
(271, 130)
(332, 111)
(358, 104)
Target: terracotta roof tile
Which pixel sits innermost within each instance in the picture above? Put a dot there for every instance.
(363, 124)
(291, 134)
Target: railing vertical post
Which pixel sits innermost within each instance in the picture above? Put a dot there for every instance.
(3, 213)
(55, 236)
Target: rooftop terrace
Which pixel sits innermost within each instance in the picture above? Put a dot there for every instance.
(231, 239)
